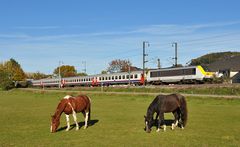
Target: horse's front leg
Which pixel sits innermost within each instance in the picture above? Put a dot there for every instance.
(68, 122)
(75, 120)
(156, 118)
(160, 121)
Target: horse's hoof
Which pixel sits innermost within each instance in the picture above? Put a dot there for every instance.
(164, 128)
(67, 130)
(85, 127)
(172, 127)
(158, 130)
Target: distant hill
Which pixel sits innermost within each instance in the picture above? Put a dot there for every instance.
(229, 64)
(208, 59)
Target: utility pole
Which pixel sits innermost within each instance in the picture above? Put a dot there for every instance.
(174, 44)
(144, 60)
(129, 73)
(85, 66)
(59, 74)
(159, 65)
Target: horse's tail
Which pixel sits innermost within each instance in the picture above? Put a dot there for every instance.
(89, 111)
(184, 111)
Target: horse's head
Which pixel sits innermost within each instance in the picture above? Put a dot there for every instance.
(148, 123)
(54, 124)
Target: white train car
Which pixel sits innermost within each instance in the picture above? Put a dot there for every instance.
(46, 82)
(191, 74)
(77, 81)
(134, 77)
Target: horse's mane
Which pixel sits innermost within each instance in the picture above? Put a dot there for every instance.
(60, 108)
(153, 106)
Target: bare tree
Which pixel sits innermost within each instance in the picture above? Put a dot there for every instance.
(119, 65)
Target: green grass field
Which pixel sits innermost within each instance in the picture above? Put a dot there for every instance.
(117, 120)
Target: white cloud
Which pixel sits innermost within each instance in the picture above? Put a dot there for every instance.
(37, 27)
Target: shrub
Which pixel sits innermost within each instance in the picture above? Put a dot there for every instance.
(5, 82)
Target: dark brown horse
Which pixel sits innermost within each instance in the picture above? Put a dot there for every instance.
(71, 105)
(174, 103)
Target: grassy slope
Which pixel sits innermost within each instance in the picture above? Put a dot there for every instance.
(25, 121)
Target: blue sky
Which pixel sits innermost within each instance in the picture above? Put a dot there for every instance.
(40, 33)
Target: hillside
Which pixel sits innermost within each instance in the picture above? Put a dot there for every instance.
(207, 59)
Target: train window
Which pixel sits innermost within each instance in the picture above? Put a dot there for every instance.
(191, 71)
(154, 74)
(109, 78)
(106, 78)
(123, 76)
(112, 77)
(131, 76)
(116, 77)
(120, 77)
(177, 72)
(102, 78)
(127, 77)
(135, 76)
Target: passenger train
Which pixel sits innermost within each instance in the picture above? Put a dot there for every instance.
(191, 74)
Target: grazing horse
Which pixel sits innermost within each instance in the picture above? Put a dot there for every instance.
(174, 103)
(72, 105)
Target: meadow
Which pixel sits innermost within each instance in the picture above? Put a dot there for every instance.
(117, 120)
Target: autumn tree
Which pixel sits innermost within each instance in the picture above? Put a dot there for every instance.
(5, 82)
(37, 76)
(119, 66)
(104, 72)
(82, 74)
(66, 71)
(13, 68)
(10, 73)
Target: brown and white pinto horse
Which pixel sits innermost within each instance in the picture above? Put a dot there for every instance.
(71, 105)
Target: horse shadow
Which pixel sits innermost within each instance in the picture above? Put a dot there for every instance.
(81, 124)
(168, 122)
